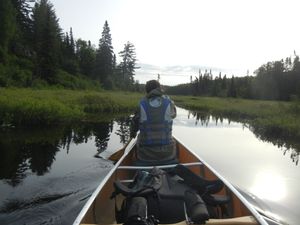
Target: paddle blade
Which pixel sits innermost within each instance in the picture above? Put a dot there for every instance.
(118, 154)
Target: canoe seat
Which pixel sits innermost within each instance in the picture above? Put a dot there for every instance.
(244, 220)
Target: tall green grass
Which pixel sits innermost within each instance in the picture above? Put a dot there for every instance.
(30, 106)
(233, 106)
(278, 117)
(33, 107)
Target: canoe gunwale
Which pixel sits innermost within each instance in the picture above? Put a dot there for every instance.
(90, 202)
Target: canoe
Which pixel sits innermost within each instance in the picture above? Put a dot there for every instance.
(100, 208)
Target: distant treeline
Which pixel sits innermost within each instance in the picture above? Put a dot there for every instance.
(279, 80)
(35, 53)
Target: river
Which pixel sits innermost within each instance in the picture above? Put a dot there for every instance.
(47, 174)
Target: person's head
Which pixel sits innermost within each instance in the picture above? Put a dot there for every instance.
(152, 84)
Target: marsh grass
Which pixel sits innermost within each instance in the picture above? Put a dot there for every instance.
(33, 107)
(282, 118)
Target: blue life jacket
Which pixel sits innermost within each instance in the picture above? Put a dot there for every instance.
(155, 121)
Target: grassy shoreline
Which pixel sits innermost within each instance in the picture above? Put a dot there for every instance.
(280, 118)
(36, 107)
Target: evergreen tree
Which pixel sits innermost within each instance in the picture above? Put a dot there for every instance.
(224, 82)
(21, 43)
(86, 55)
(72, 43)
(69, 60)
(67, 42)
(22, 14)
(195, 89)
(232, 88)
(114, 62)
(128, 64)
(216, 86)
(288, 64)
(7, 27)
(46, 39)
(15, 49)
(104, 58)
(296, 64)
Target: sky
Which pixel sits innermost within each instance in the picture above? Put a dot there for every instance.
(176, 38)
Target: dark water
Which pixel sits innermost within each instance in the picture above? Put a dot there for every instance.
(46, 175)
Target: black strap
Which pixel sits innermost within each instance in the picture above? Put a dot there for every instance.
(202, 185)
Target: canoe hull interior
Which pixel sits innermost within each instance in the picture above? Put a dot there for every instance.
(102, 209)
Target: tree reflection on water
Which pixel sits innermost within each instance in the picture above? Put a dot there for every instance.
(26, 150)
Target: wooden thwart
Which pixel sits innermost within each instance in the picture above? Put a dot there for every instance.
(158, 166)
(244, 220)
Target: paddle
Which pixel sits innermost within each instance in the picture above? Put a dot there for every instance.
(118, 154)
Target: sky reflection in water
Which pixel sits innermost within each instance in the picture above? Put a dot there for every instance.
(269, 185)
(267, 173)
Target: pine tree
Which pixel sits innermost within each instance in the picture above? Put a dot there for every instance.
(7, 27)
(21, 45)
(232, 88)
(128, 63)
(68, 60)
(296, 64)
(67, 40)
(46, 40)
(86, 55)
(72, 43)
(104, 58)
(22, 14)
(114, 62)
(15, 47)
(224, 82)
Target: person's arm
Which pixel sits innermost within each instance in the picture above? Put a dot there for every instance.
(173, 110)
(134, 126)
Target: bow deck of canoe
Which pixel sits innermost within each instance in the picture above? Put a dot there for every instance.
(100, 208)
